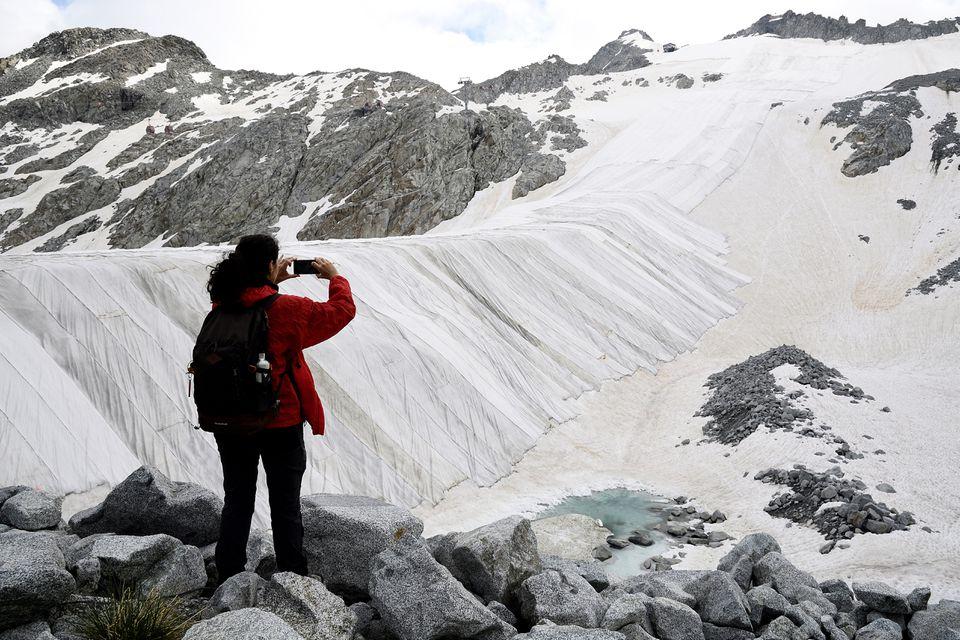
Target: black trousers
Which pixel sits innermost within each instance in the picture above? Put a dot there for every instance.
(284, 460)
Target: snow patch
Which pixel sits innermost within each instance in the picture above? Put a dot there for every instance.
(149, 73)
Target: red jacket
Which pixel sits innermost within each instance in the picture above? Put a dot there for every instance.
(297, 323)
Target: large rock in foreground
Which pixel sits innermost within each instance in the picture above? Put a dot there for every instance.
(562, 598)
(307, 606)
(33, 577)
(881, 597)
(493, 560)
(239, 591)
(31, 510)
(158, 563)
(939, 622)
(245, 624)
(569, 632)
(148, 503)
(419, 599)
(343, 534)
(572, 536)
(740, 560)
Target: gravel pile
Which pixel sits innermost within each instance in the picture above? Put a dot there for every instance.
(746, 395)
(837, 507)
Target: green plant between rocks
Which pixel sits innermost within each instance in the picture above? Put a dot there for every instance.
(130, 616)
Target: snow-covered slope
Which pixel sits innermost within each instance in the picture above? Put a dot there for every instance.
(794, 222)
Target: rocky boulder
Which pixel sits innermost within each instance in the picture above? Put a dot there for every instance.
(672, 620)
(569, 632)
(661, 584)
(782, 628)
(38, 630)
(881, 597)
(838, 592)
(245, 624)
(918, 598)
(33, 577)
(261, 555)
(766, 605)
(31, 510)
(343, 534)
(628, 614)
(879, 629)
(147, 503)
(307, 606)
(8, 492)
(239, 591)
(792, 583)
(419, 599)
(592, 571)
(573, 536)
(719, 600)
(493, 560)
(561, 598)
(740, 560)
(939, 622)
(159, 563)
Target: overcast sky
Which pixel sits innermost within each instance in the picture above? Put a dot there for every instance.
(441, 40)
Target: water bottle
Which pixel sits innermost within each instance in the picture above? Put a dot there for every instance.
(263, 369)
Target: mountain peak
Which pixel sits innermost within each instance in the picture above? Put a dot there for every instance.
(633, 34)
(71, 43)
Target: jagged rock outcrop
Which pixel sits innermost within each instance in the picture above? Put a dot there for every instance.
(881, 122)
(945, 275)
(813, 25)
(547, 74)
(623, 54)
(537, 170)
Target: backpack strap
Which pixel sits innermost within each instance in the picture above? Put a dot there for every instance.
(266, 303)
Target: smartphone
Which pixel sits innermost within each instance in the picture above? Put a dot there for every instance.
(304, 266)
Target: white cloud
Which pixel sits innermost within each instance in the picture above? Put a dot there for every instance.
(437, 39)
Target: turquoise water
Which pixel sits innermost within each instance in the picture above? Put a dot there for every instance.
(622, 511)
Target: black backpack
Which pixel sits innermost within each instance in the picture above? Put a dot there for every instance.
(231, 394)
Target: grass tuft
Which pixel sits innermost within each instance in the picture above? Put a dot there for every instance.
(129, 616)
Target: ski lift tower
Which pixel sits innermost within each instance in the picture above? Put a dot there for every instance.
(464, 83)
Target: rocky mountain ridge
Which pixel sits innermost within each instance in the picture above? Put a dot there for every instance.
(116, 138)
(625, 53)
(191, 154)
(814, 25)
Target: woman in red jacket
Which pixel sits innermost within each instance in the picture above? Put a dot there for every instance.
(250, 273)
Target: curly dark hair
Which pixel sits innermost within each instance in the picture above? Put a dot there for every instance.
(248, 265)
